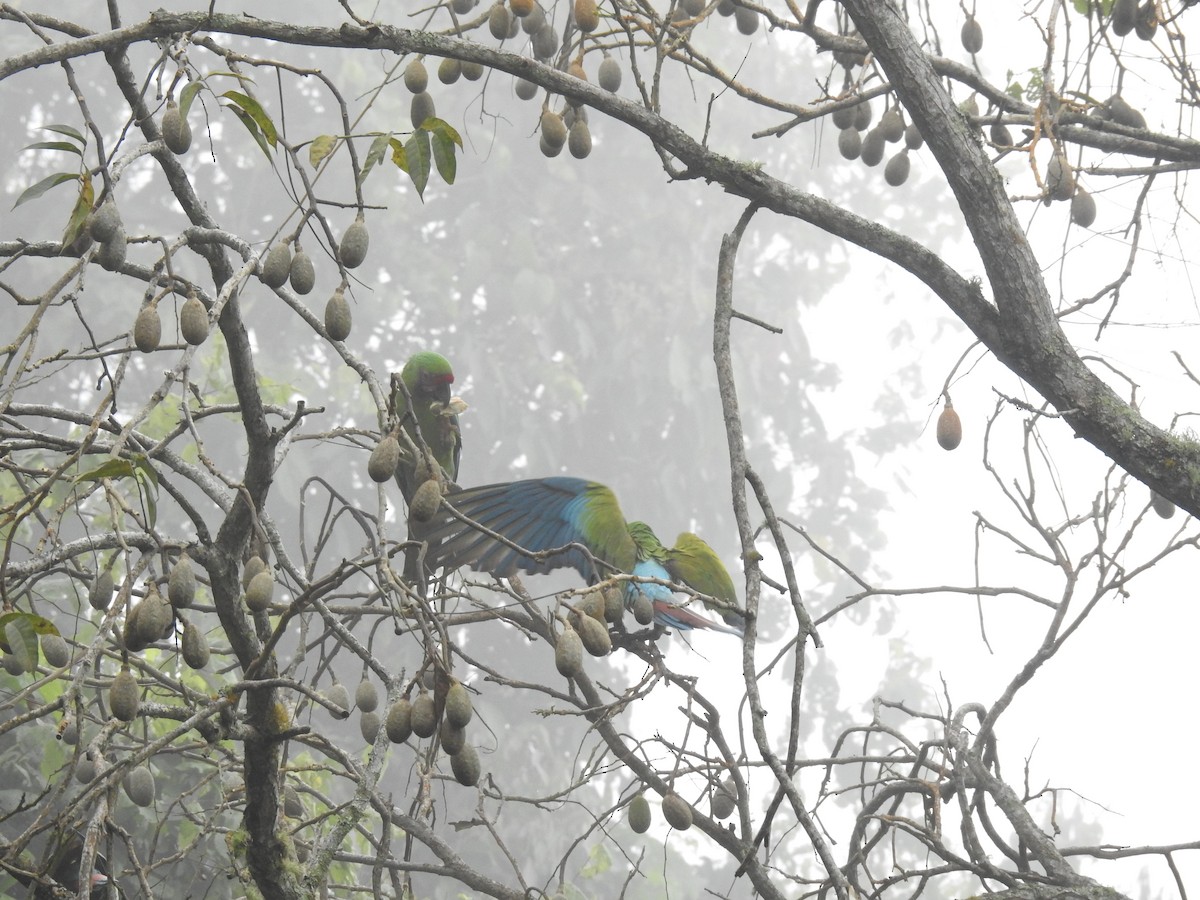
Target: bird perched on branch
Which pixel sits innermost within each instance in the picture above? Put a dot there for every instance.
(61, 872)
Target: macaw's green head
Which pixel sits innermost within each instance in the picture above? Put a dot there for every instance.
(647, 542)
(428, 377)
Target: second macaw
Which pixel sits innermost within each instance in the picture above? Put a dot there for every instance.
(581, 521)
(427, 376)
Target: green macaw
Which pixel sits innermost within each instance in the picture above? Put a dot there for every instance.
(694, 563)
(580, 520)
(427, 376)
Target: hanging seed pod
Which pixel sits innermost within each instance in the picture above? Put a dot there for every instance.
(421, 108)
(999, 135)
(472, 71)
(554, 130)
(862, 115)
(579, 139)
(85, 770)
(614, 605)
(293, 808)
(449, 71)
(1146, 23)
(254, 565)
(521, 8)
(971, 35)
(595, 637)
(746, 20)
(366, 695)
(124, 696)
(55, 650)
(425, 501)
(424, 715)
(643, 609)
(843, 117)
(339, 697)
(639, 814)
(1164, 507)
(70, 733)
(609, 75)
(301, 272)
(465, 765)
(872, 147)
(194, 646)
(353, 248)
(111, 254)
(949, 428)
(1083, 208)
(368, 726)
(891, 125)
(499, 21)
(545, 42)
(385, 459)
(1060, 180)
(896, 171)
(525, 90)
(131, 634)
(568, 653)
(399, 722)
(277, 266)
(849, 143)
(193, 321)
(913, 139)
(1124, 16)
(532, 21)
(100, 591)
(156, 617)
(416, 77)
(104, 221)
(181, 583)
(677, 812)
(260, 592)
(139, 786)
(147, 329)
(13, 664)
(587, 16)
(453, 739)
(724, 800)
(458, 709)
(337, 316)
(176, 132)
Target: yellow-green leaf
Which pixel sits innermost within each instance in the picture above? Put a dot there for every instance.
(187, 95)
(443, 157)
(256, 112)
(83, 206)
(320, 148)
(21, 640)
(399, 156)
(443, 128)
(379, 146)
(251, 126)
(50, 181)
(419, 159)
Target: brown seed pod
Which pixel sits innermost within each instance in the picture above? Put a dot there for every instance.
(999, 135)
(293, 808)
(449, 71)
(843, 117)
(614, 605)
(422, 108)
(13, 664)
(499, 20)
(548, 150)
(353, 248)
(111, 254)
(849, 143)
(545, 42)
(862, 115)
(896, 171)
(385, 459)
(568, 653)
(139, 786)
(301, 272)
(100, 591)
(156, 617)
(608, 76)
(643, 609)
(639, 814)
(913, 139)
(275, 269)
(1146, 23)
(131, 633)
(1060, 179)
(147, 329)
(339, 697)
(85, 770)
(124, 697)
(892, 125)
(55, 650)
(366, 695)
(194, 646)
(416, 77)
(472, 71)
(677, 812)
(554, 130)
(465, 765)
(971, 35)
(193, 321)
(1164, 507)
(1124, 17)
(368, 726)
(424, 715)
(724, 800)
(579, 139)
(176, 132)
(458, 709)
(70, 732)
(337, 316)
(253, 566)
(453, 739)
(181, 583)
(949, 428)
(104, 221)
(260, 592)
(1083, 208)
(872, 147)
(746, 20)
(399, 721)
(525, 90)
(425, 501)
(532, 22)
(521, 8)
(587, 15)
(595, 637)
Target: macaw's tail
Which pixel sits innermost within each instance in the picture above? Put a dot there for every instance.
(681, 618)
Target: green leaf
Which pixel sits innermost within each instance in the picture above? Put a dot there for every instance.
(443, 157)
(252, 127)
(68, 131)
(598, 862)
(56, 145)
(256, 112)
(416, 148)
(443, 128)
(379, 146)
(113, 468)
(34, 191)
(320, 148)
(187, 95)
(83, 206)
(20, 639)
